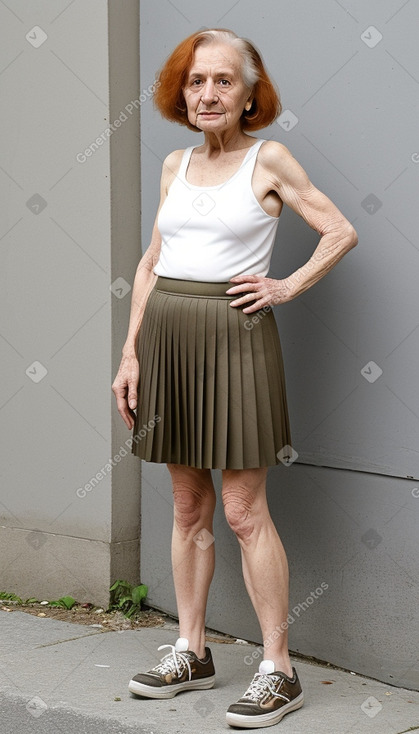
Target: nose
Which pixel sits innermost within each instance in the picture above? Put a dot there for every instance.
(209, 92)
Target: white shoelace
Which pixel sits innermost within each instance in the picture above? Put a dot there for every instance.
(173, 661)
(259, 684)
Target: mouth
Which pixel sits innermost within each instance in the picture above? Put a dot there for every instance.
(209, 114)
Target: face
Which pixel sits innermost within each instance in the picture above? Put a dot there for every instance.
(215, 93)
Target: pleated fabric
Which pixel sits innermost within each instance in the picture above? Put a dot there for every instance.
(211, 391)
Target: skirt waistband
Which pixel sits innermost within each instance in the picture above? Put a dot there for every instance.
(194, 288)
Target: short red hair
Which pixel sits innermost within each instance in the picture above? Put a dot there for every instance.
(168, 94)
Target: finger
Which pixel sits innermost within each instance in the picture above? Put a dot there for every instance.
(121, 400)
(132, 398)
(262, 300)
(121, 404)
(128, 416)
(124, 409)
(242, 288)
(257, 306)
(129, 422)
(245, 283)
(246, 299)
(244, 277)
(133, 391)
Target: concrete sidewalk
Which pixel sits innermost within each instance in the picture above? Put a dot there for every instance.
(63, 677)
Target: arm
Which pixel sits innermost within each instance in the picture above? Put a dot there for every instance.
(143, 284)
(288, 179)
(125, 384)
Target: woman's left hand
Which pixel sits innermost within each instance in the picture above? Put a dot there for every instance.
(259, 291)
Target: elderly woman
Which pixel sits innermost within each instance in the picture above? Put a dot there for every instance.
(202, 366)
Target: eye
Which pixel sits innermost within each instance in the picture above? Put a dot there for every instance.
(224, 82)
(196, 82)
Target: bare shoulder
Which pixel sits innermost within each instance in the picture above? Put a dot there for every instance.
(173, 159)
(171, 165)
(272, 150)
(282, 165)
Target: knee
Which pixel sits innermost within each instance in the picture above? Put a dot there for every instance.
(239, 509)
(194, 503)
(187, 507)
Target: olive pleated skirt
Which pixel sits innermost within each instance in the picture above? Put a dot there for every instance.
(211, 391)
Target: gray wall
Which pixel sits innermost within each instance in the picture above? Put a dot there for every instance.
(346, 509)
(66, 236)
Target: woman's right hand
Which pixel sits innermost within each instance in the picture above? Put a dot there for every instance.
(125, 386)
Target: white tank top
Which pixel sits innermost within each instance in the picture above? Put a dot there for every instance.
(212, 233)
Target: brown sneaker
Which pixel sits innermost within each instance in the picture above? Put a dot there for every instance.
(179, 670)
(270, 696)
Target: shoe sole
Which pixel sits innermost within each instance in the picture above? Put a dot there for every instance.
(169, 691)
(255, 722)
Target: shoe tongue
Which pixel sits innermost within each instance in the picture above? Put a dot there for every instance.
(267, 666)
(182, 644)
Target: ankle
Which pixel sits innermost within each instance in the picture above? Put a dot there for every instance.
(282, 663)
(196, 644)
(199, 651)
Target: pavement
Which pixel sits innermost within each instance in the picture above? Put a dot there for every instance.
(62, 678)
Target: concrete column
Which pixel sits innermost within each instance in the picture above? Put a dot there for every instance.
(70, 243)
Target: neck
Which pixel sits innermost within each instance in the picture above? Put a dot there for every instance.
(224, 142)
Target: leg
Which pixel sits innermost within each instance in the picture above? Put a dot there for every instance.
(193, 563)
(265, 566)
